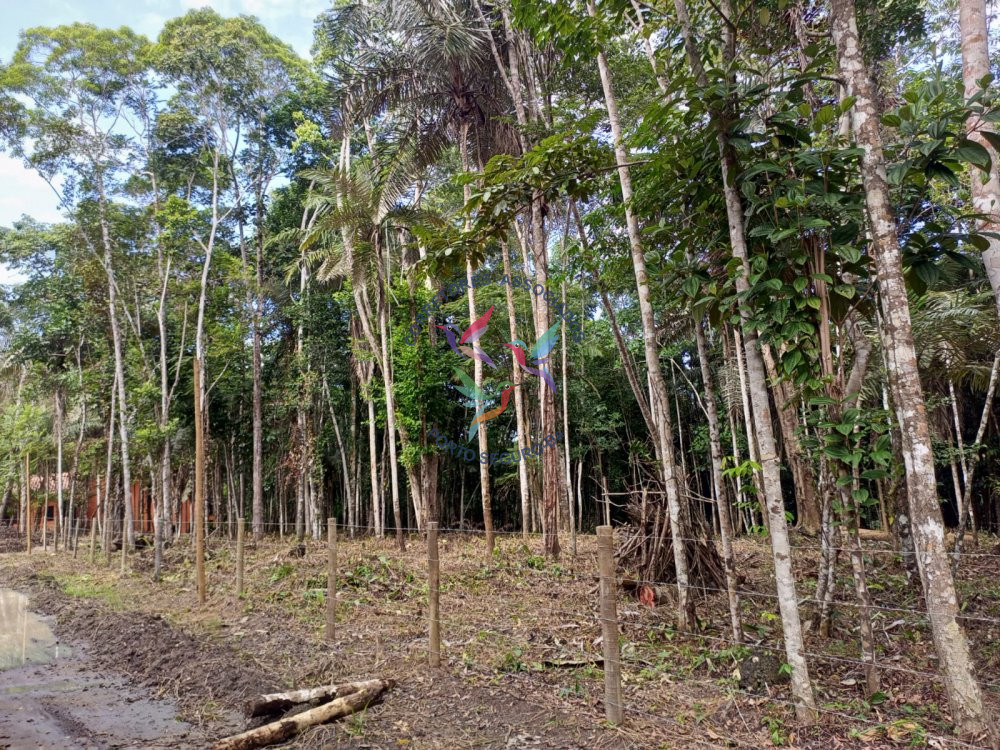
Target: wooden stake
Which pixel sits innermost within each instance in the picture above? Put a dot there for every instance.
(331, 578)
(609, 625)
(76, 536)
(433, 585)
(27, 497)
(45, 508)
(199, 484)
(93, 538)
(239, 556)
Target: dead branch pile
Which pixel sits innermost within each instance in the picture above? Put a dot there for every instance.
(645, 547)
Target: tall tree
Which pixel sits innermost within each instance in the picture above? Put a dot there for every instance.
(977, 77)
(954, 658)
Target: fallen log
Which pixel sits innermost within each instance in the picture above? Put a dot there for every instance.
(275, 703)
(284, 729)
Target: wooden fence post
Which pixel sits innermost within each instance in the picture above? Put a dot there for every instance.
(76, 536)
(433, 585)
(609, 625)
(239, 556)
(124, 551)
(27, 497)
(93, 538)
(331, 578)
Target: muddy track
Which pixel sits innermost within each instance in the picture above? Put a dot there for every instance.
(205, 680)
(209, 681)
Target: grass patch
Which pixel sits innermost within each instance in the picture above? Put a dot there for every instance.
(87, 587)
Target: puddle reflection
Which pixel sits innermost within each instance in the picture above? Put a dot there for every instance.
(24, 637)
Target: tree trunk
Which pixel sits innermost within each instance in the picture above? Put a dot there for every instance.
(805, 705)
(257, 478)
(660, 403)
(378, 512)
(59, 408)
(285, 729)
(119, 359)
(985, 187)
(969, 469)
(721, 501)
(806, 497)
(964, 695)
(484, 446)
(522, 426)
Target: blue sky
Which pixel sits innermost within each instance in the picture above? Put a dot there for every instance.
(22, 191)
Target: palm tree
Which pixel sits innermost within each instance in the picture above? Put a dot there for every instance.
(440, 78)
(357, 210)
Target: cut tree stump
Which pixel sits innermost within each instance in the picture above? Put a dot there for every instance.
(284, 729)
(276, 703)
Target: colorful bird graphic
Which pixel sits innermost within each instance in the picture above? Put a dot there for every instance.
(538, 355)
(470, 336)
(477, 396)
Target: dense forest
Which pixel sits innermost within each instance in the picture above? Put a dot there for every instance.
(706, 271)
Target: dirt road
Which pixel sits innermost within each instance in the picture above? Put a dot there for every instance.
(52, 695)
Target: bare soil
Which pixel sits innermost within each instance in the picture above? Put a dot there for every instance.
(518, 635)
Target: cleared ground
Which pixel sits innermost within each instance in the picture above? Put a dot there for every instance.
(518, 635)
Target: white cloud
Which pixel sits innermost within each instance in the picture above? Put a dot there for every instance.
(22, 191)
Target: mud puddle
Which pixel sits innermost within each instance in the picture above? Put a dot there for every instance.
(25, 638)
(51, 696)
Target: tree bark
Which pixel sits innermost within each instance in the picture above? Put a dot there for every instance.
(272, 703)
(484, 445)
(522, 423)
(985, 188)
(954, 659)
(660, 403)
(285, 729)
(119, 359)
(257, 473)
(805, 705)
(721, 501)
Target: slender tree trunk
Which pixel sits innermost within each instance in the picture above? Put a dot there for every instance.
(348, 493)
(753, 454)
(163, 510)
(484, 446)
(199, 483)
(551, 470)
(59, 407)
(567, 460)
(721, 502)
(806, 496)
(969, 471)
(805, 705)
(79, 442)
(257, 479)
(119, 359)
(522, 427)
(954, 659)
(985, 187)
(378, 513)
(660, 402)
